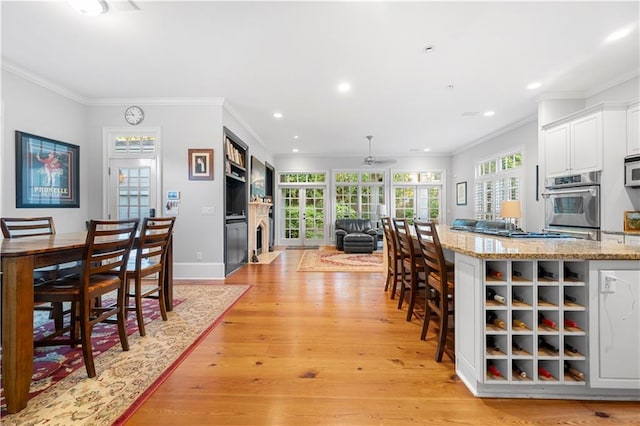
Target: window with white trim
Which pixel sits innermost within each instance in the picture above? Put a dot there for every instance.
(417, 195)
(497, 179)
(358, 194)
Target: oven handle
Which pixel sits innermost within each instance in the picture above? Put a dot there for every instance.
(593, 191)
(591, 235)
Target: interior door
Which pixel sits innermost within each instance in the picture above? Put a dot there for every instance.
(303, 215)
(417, 202)
(132, 188)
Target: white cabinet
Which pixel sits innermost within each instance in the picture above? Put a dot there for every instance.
(633, 129)
(574, 146)
(614, 345)
(615, 238)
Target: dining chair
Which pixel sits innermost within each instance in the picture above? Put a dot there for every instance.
(439, 286)
(394, 267)
(107, 249)
(413, 269)
(148, 258)
(17, 227)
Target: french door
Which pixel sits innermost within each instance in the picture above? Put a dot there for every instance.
(303, 218)
(417, 202)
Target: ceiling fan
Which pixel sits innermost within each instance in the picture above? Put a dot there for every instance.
(370, 160)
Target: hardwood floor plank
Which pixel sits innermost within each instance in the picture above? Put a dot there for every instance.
(333, 349)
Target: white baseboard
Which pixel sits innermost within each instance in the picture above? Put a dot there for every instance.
(198, 271)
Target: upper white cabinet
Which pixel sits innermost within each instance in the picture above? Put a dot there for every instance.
(574, 146)
(633, 129)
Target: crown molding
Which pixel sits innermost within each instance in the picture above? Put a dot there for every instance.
(42, 82)
(612, 83)
(156, 101)
(495, 134)
(554, 96)
(227, 106)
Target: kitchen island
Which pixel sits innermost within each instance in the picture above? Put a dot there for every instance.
(546, 318)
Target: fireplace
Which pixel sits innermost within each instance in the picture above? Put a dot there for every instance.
(259, 230)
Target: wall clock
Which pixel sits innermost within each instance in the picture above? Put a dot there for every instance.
(134, 115)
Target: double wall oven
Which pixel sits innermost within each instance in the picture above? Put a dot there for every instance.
(572, 205)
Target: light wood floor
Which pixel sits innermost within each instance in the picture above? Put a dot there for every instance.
(332, 349)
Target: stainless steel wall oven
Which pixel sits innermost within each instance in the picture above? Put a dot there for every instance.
(572, 205)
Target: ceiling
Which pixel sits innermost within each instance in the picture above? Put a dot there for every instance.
(289, 57)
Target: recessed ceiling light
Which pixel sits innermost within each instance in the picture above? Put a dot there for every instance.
(277, 115)
(488, 113)
(534, 85)
(618, 35)
(427, 149)
(295, 137)
(344, 87)
(430, 48)
(89, 7)
(295, 150)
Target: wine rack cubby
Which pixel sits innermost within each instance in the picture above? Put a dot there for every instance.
(535, 322)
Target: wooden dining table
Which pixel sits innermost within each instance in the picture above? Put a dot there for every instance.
(20, 256)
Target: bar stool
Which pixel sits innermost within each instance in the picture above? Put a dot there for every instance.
(413, 268)
(439, 283)
(394, 266)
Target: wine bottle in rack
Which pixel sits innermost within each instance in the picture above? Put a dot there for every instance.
(491, 344)
(544, 273)
(516, 273)
(519, 371)
(493, 370)
(570, 299)
(570, 348)
(545, 321)
(518, 298)
(543, 299)
(516, 347)
(570, 323)
(544, 373)
(493, 319)
(568, 273)
(542, 343)
(519, 324)
(492, 295)
(493, 273)
(575, 373)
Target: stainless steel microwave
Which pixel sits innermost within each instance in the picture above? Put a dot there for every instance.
(632, 171)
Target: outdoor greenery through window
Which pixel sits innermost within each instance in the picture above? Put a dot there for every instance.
(497, 179)
(303, 206)
(358, 194)
(417, 195)
(134, 144)
(302, 177)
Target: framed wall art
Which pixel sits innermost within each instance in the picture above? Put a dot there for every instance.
(461, 193)
(632, 222)
(201, 164)
(47, 172)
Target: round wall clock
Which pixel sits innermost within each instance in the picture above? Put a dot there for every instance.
(134, 115)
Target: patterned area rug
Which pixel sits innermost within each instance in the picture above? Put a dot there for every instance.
(124, 377)
(337, 261)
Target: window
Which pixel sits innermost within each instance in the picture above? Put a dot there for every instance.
(417, 195)
(358, 194)
(497, 179)
(302, 177)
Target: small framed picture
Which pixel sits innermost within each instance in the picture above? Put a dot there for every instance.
(461, 193)
(201, 164)
(632, 222)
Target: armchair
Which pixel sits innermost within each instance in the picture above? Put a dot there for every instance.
(356, 236)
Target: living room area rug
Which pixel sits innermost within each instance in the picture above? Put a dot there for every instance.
(125, 379)
(332, 260)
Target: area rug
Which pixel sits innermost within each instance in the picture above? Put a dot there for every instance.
(126, 378)
(337, 261)
(303, 247)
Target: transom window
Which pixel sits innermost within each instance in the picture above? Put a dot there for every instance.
(134, 144)
(294, 177)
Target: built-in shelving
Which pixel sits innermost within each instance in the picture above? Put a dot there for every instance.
(236, 201)
(536, 322)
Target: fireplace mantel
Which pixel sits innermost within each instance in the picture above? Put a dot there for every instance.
(259, 217)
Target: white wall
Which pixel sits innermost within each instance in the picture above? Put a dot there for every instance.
(34, 109)
(464, 164)
(182, 127)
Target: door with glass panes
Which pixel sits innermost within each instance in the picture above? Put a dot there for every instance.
(132, 188)
(417, 202)
(303, 215)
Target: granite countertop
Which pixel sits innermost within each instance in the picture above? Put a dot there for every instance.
(492, 247)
